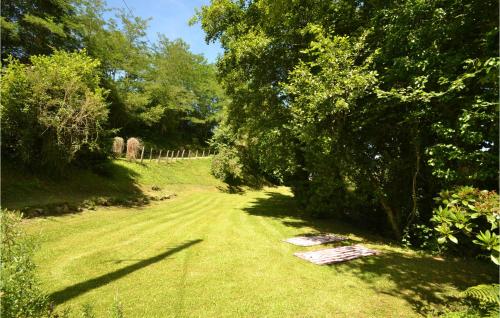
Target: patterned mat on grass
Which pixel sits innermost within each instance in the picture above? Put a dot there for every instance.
(336, 255)
(315, 240)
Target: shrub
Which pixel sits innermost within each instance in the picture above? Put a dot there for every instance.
(134, 146)
(422, 237)
(118, 145)
(226, 165)
(21, 295)
(52, 108)
(468, 218)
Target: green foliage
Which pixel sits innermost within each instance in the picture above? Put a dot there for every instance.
(87, 311)
(322, 93)
(36, 27)
(384, 102)
(469, 217)
(177, 87)
(479, 301)
(52, 109)
(484, 293)
(421, 236)
(117, 309)
(226, 165)
(463, 152)
(158, 91)
(20, 292)
(162, 92)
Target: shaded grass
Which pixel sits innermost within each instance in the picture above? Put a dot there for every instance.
(417, 277)
(20, 188)
(238, 267)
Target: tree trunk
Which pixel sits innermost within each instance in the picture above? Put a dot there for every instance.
(391, 217)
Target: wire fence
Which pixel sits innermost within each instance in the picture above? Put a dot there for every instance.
(152, 154)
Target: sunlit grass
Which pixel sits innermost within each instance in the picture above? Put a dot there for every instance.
(212, 254)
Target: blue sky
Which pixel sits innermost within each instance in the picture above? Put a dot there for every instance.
(170, 17)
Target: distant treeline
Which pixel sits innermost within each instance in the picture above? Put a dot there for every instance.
(73, 79)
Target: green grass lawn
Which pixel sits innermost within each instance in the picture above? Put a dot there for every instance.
(207, 253)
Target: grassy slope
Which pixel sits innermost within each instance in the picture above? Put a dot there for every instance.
(125, 179)
(212, 254)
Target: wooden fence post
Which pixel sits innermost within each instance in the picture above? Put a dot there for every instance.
(209, 152)
(166, 157)
(178, 152)
(182, 156)
(189, 153)
(159, 156)
(203, 154)
(196, 155)
(142, 154)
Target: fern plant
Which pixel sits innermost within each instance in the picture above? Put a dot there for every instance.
(488, 297)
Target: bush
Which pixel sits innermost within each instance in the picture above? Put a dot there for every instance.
(21, 295)
(52, 109)
(468, 218)
(226, 165)
(420, 236)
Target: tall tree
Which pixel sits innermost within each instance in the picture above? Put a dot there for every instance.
(160, 91)
(32, 27)
(367, 108)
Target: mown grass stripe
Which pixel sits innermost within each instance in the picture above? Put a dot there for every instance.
(120, 238)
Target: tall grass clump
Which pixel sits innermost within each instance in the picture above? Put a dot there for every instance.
(21, 295)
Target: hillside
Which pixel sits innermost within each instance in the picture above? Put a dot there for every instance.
(118, 181)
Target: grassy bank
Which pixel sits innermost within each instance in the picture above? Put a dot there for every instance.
(207, 253)
(116, 179)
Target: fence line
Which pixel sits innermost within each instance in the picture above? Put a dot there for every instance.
(170, 155)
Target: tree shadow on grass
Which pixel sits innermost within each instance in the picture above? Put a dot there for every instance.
(285, 209)
(73, 291)
(108, 183)
(418, 279)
